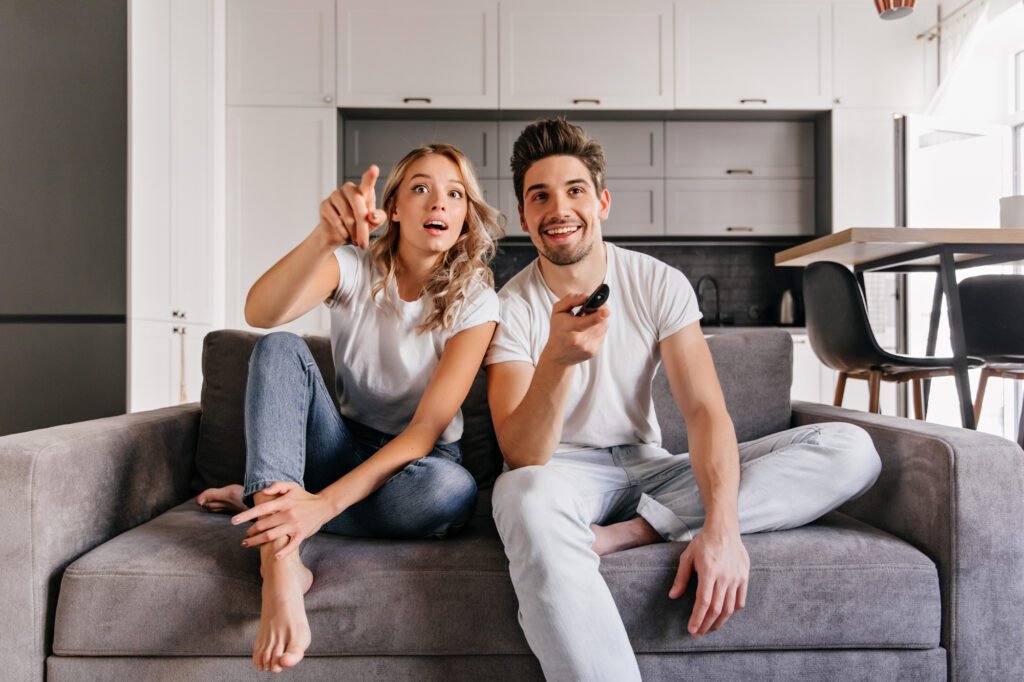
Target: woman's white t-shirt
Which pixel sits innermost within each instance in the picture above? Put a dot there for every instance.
(382, 363)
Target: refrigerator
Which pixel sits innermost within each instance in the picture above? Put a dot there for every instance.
(63, 213)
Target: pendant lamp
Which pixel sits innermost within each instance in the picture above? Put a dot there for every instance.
(894, 9)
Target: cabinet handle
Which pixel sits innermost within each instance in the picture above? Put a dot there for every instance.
(182, 392)
(407, 100)
(754, 101)
(739, 171)
(328, 99)
(739, 228)
(586, 101)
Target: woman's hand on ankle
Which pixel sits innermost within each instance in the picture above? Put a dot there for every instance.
(294, 512)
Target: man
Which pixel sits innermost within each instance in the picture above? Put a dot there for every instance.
(571, 400)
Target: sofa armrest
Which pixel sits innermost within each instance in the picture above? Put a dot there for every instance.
(67, 489)
(958, 496)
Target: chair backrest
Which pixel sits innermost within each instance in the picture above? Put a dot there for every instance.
(993, 309)
(837, 318)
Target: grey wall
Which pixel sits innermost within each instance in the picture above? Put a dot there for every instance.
(63, 164)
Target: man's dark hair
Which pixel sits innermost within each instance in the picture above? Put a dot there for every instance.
(555, 137)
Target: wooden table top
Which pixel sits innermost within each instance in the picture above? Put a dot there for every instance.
(858, 245)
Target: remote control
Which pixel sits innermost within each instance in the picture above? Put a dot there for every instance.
(595, 301)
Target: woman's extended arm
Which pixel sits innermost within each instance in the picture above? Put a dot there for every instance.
(300, 514)
(309, 273)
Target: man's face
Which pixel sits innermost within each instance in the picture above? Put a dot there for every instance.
(562, 210)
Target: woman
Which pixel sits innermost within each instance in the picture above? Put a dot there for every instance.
(411, 317)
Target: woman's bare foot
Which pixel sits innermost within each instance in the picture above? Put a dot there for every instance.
(228, 498)
(284, 634)
(622, 536)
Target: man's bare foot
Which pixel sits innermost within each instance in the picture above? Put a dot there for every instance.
(284, 634)
(622, 536)
(228, 498)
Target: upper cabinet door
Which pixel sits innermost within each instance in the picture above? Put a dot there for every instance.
(882, 63)
(280, 52)
(397, 53)
(586, 54)
(737, 54)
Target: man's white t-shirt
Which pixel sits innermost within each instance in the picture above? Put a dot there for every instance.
(382, 363)
(611, 401)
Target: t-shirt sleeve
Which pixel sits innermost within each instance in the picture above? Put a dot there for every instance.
(511, 340)
(352, 267)
(480, 306)
(676, 302)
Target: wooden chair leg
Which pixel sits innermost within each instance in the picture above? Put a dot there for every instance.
(981, 393)
(918, 399)
(840, 389)
(874, 388)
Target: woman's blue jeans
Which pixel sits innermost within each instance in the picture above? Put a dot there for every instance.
(294, 432)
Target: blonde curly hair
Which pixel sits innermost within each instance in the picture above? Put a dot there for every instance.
(462, 265)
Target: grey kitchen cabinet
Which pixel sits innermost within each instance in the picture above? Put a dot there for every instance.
(638, 207)
(632, 149)
(736, 208)
(740, 149)
(385, 142)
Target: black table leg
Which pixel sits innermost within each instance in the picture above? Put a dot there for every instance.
(933, 332)
(947, 273)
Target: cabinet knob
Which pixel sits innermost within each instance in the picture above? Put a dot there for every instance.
(408, 100)
(756, 100)
(586, 101)
(837, 100)
(175, 314)
(328, 99)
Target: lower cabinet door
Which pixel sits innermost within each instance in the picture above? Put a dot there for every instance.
(739, 208)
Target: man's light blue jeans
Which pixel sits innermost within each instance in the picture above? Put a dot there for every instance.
(294, 432)
(543, 514)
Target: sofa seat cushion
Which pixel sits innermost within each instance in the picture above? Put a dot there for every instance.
(182, 585)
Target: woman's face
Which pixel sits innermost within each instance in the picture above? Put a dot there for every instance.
(431, 204)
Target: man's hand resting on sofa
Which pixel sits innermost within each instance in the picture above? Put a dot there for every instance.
(723, 568)
(293, 512)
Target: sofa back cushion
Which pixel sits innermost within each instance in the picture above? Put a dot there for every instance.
(755, 370)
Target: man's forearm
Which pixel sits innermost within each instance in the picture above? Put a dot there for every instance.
(714, 456)
(530, 434)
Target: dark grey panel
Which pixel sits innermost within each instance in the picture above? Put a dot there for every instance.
(385, 142)
(63, 168)
(60, 373)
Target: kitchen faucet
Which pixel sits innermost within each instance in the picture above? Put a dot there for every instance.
(700, 298)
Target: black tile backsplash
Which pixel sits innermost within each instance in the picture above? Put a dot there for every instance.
(750, 285)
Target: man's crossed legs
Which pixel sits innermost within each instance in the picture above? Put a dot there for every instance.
(544, 515)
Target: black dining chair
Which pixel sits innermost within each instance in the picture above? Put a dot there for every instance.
(841, 337)
(993, 310)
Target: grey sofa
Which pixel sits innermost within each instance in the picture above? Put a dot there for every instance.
(110, 571)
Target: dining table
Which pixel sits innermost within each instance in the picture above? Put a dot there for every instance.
(941, 251)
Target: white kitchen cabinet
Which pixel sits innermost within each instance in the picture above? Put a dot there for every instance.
(281, 163)
(171, 138)
(415, 55)
(736, 54)
(739, 208)
(280, 53)
(807, 373)
(863, 168)
(586, 54)
(166, 364)
(882, 63)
